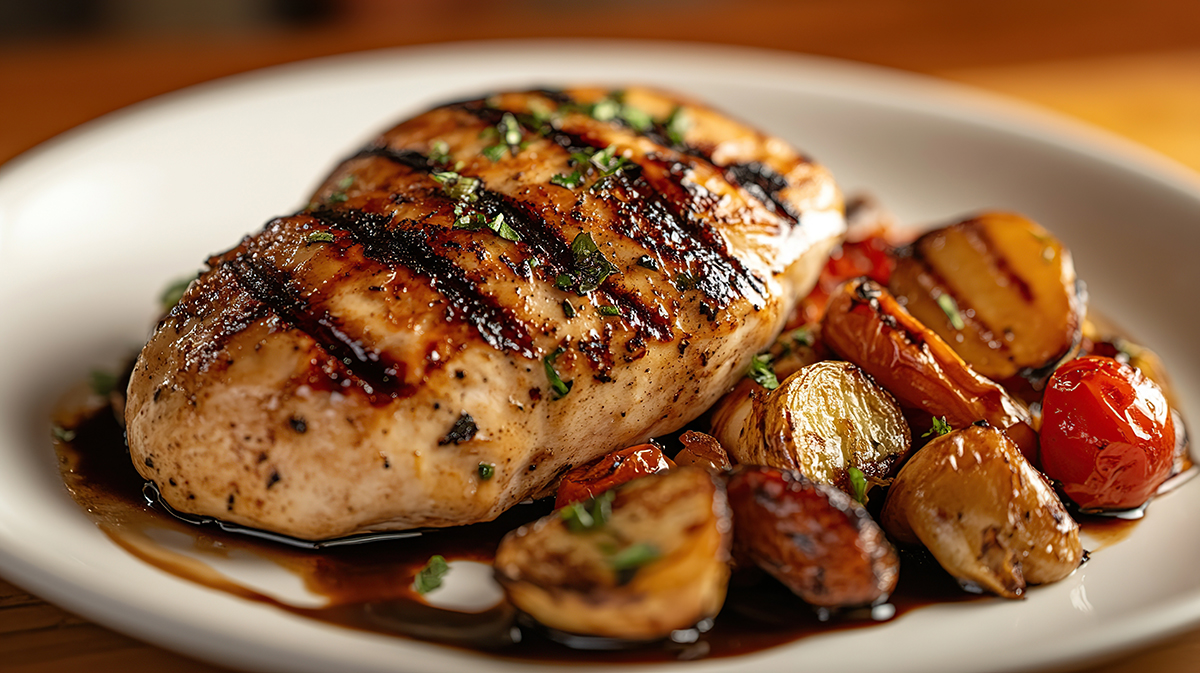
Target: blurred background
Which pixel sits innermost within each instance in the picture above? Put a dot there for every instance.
(1131, 67)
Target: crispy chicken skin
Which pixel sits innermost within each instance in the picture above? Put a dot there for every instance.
(350, 368)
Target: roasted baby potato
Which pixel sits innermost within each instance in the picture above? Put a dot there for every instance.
(865, 325)
(814, 539)
(988, 517)
(702, 450)
(999, 289)
(821, 421)
(616, 468)
(635, 563)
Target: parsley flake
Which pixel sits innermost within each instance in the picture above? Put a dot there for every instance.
(939, 427)
(430, 577)
(319, 237)
(571, 181)
(591, 267)
(568, 310)
(439, 153)
(62, 434)
(858, 482)
(589, 514)
(676, 125)
(803, 336)
(763, 372)
(486, 471)
(494, 153)
(634, 556)
(610, 310)
(510, 130)
(173, 292)
(648, 262)
(102, 382)
(560, 387)
(950, 308)
(457, 187)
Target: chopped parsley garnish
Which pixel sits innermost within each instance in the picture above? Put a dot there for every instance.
(803, 336)
(430, 577)
(950, 308)
(940, 427)
(62, 434)
(568, 310)
(858, 482)
(610, 310)
(439, 153)
(634, 556)
(639, 120)
(590, 514)
(590, 269)
(684, 281)
(486, 471)
(648, 262)
(339, 196)
(560, 387)
(606, 109)
(476, 221)
(494, 152)
(457, 187)
(763, 372)
(676, 125)
(464, 430)
(102, 382)
(320, 237)
(510, 130)
(172, 293)
(571, 181)
(607, 161)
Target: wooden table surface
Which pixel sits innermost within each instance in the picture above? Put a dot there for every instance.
(1132, 68)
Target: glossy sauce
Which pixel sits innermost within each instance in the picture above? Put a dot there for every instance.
(368, 585)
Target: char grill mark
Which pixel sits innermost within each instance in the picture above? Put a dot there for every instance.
(410, 158)
(764, 184)
(659, 218)
(268, 286)
(409, 246)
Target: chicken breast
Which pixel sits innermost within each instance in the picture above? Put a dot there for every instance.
(490, 293)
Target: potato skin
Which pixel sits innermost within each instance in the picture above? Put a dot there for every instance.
(567, 581)
(813, 538)
(865, 325)
(820, 421)
(1020, 304)
(984, 512)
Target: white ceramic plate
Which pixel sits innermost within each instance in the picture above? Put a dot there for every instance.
(94, 223)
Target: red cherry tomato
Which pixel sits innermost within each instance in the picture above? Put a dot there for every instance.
(1107, 434)
(592, 479)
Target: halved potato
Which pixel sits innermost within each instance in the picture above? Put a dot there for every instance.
(813, 538)
(703, 451)
(824, 419)
(985, 513)
(865, 325)
(999, 289)
(652, 560)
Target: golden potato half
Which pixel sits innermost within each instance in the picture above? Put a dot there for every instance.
(645, 559)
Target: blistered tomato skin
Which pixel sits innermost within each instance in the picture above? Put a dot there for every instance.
(1107, 434)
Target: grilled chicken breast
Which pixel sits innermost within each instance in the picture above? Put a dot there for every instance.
(488, 294)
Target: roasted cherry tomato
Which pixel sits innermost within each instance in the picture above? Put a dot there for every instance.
(614, 469)
(1107, 434)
